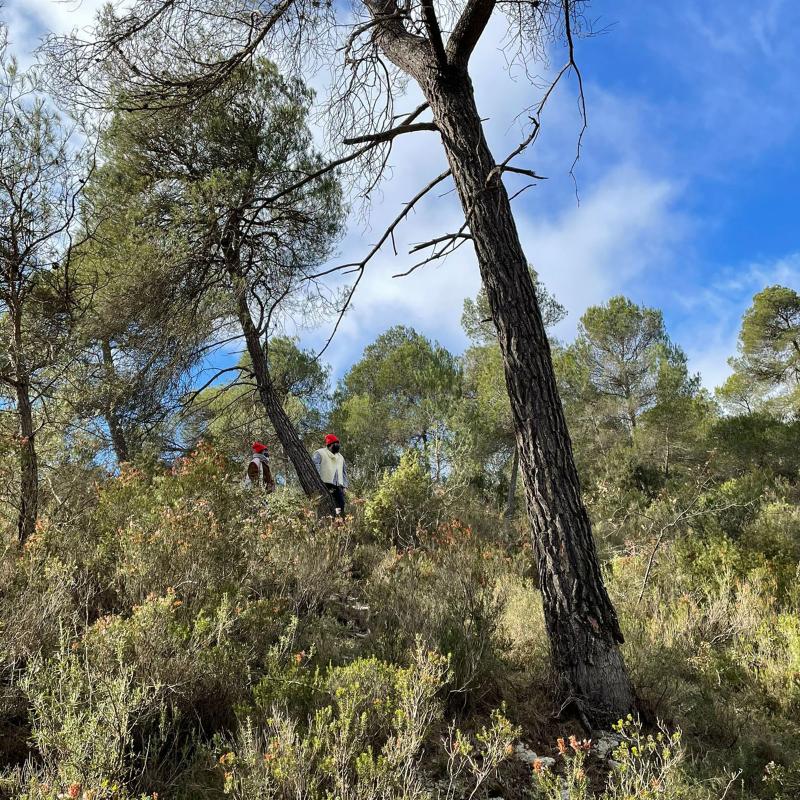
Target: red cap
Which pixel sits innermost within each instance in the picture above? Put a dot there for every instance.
(330, 439)
(258, 447)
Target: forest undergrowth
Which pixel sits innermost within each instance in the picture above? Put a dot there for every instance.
(169, 633)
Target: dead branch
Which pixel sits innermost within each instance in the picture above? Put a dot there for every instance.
(520, 171)
(360, 266)
(438, 240)
(385, 136)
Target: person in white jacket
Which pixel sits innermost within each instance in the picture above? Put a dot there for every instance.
(332, 469)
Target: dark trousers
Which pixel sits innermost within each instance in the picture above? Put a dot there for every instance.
(337, 493)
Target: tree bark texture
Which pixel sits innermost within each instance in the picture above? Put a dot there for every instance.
(581, 621)
(28, 466)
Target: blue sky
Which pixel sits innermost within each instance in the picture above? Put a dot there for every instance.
(688, 180)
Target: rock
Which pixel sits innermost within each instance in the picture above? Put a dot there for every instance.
(605, 744)
(523, 754)
(528, 757)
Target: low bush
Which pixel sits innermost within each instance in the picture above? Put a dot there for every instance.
(405, 505)
(447, 594)
(366, 740)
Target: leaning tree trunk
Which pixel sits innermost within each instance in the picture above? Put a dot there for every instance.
(119, 441)
(291, 442)
(581, 621)
(28, 466)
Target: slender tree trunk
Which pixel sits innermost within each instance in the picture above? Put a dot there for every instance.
(291, 442)
(581, 621)
(631, 420)
(511, 500)
(119, 442)
(28, 465)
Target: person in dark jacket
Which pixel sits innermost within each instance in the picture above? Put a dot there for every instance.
(258, 470)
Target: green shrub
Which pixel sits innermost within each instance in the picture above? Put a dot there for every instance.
(644, 767)
(448, 596)
(365, 742)
(716, 653)
(405, 504)
(775, 532)
(783, 782)
(193, 603)
(84, 718)
(199, 658)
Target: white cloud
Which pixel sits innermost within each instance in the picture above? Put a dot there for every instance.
(626, 221)
(625, 225)
(30, 20)
(714, 313)
(628, 233)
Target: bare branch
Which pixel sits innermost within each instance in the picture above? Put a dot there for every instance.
(581, 96)
(520, 191)
(332, 165)
(385, 136)
(360, 266)
(190, 398)
(468, 31)
(519, 171)
(452, 242)
(448, 237)
(434, 32)
(450, 248)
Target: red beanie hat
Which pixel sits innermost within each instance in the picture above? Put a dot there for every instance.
(258, 447)
(330, 439)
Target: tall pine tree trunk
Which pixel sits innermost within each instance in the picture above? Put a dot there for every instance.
(28, 465)
(581, 622)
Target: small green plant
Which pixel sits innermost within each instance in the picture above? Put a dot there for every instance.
(365, 742)
(648, 767)
(471, 761)
(84, 718)
(644, 767)
(446, 594)
(571, 781)
(782, 782)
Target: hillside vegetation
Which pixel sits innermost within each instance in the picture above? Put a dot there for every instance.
(168, 631)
